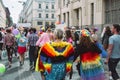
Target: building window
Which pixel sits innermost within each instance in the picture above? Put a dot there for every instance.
(46, 15)
(112, 11)
(52, 6)
(52, 23)
(46, 23)
(68, 18)
(40, 15)
(64, 16)
(46, 6)
(63, 2)
(39, 5)
(59, 17)
(52, 15)
(40, 23)
(92, 13)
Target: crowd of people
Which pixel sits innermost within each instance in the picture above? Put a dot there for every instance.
(52, 53)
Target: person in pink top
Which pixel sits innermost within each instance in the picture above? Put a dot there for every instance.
(45, 37)
(68, 36)
(69, 39)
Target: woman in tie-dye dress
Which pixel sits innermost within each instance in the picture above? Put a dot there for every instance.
(91, 67)
(56, 57)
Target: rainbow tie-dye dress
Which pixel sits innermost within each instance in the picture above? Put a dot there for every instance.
(57, 59)
(91, 66)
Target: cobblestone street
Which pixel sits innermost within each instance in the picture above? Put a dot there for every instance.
(23, 73)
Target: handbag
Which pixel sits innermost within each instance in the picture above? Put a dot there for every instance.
(4, 53)
(104, 53)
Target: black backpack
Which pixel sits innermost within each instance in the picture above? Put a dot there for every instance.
(0, 36)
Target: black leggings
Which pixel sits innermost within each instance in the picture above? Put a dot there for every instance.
(9, 52)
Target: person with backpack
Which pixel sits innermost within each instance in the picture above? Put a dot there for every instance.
(1, 42)
(9, 43)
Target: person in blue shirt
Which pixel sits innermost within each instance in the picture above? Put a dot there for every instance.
(114, 51)
(22, 44)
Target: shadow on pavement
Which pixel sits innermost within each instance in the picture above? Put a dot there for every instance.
(5, 61)
(23, 75)
(12, 70)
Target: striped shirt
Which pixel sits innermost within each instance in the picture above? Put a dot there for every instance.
(32, 39)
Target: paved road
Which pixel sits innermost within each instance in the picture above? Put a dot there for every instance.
(22, 73)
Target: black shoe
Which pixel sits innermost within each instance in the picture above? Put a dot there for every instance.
(17, 57)
(32, 67)
(9, 66)
(21, 63)
(0, 58)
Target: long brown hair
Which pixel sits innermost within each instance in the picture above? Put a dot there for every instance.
(108, 31)
(68, 34)
(86, 41)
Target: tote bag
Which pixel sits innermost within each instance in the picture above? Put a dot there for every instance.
(4, 53)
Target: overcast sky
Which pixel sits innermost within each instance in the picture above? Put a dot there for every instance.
(15, 8)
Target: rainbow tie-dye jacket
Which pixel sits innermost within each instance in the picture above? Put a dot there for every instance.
(57, 52)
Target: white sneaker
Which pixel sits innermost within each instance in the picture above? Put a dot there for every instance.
(110, 78)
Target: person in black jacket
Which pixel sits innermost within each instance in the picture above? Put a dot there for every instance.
(105, 39)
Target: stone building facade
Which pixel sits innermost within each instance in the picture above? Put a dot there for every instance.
(38, 12)
(2, 15)
(86, 13)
